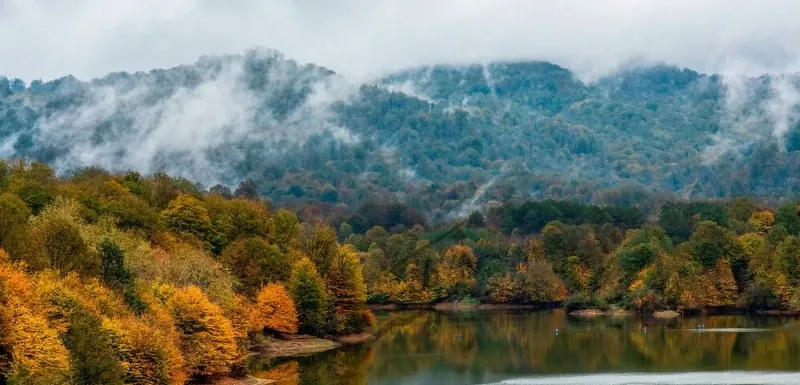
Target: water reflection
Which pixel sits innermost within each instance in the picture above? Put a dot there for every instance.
(487, 347)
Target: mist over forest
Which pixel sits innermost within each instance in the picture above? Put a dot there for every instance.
(445, 139)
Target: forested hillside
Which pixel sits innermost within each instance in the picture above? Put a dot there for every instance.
(443, 139)
(112, 279)
(121, 278)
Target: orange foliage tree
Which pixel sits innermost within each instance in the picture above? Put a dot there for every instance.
(207, 338)
(37, 354)
(276, 309)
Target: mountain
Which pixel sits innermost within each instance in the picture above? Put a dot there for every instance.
(444, 139)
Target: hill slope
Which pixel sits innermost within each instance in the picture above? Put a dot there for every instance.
(444, 138)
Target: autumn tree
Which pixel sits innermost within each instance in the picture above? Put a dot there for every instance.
(456, 273)
(284, 229)
(319, 243)
(276, 309)
(308, 291)
(207, 337)
(186, 214)
(347, 291)
(762, 220)
(55, 241)
(255, 262)
(148, 353)
(36, 352)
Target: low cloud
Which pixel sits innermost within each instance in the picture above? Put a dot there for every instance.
(139, 121)
(362, 39)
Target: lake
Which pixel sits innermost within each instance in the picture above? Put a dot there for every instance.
(507, 347)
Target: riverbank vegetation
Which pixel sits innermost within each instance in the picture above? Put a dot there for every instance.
(687, 256)
(118, 279)
(124, 278)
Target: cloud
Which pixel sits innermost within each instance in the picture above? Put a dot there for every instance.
(181, 120)
(364, 38)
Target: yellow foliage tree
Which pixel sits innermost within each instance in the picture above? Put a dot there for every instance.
(456, 273)
(207, 339)
(37, 353)
(762, 220)
(148, 355)
(276, 309)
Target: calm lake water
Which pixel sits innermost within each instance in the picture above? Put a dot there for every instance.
(443, 348)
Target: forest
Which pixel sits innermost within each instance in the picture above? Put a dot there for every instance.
(437, 138)
(126, 278)
(112, 279)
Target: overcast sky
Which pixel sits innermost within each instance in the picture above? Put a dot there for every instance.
(363, 38)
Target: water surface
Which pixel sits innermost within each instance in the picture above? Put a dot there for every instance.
(444, 348)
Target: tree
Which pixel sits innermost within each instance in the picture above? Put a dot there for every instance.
(762, 220)
(789, 259)
(284, 229)
(711, 242)
(276, 309)
(223, 191)
(319, 243)
(112, 264)
(185, 214)
(94, 361)
(36, 195)
(741, 209)
(132, 212)
(37, 353)
(786, 216)
(255, 262)
(207, 338)
(456, 273)
(308, 291)
(247, 190)
(13, 215)
(60, 243)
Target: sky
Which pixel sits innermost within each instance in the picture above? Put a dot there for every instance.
(362, 39)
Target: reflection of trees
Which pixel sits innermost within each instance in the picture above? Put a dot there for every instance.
(461, 346)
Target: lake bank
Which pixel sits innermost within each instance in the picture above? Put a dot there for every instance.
(430, 347)
(612, 311)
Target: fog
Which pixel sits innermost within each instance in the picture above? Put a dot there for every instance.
(362, 39)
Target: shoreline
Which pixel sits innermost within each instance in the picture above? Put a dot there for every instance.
(613, 311)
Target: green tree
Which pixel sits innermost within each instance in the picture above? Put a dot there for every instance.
(36, 195)
(13, 215)
(787, 216)
(284, 229)
(711, 242)
(789, 258)
(93, 358)
(112, 265)
(308, 291)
